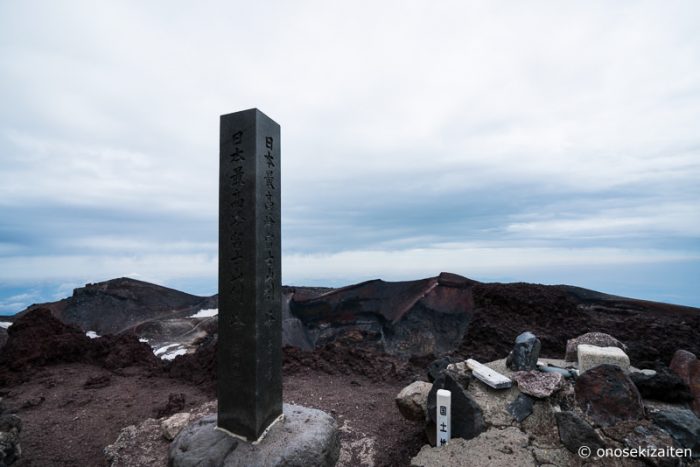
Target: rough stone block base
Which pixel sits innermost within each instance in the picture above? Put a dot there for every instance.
(305, 437)
(590, 356)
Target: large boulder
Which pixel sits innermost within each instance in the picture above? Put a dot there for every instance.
(695, 386)
(681, 364)
(304, 437)
(644, 435)
(664, 385)
(599, 339)
(412, 401)
(687, 366)
(607, 396)
(467, 417)
(683, 425)
(525, 353)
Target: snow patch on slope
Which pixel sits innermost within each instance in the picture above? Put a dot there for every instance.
(208, 313)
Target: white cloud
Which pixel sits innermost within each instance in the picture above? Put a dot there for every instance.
(565, 120)
(468, 259)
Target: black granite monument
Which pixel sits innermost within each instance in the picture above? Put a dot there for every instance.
(250, 329)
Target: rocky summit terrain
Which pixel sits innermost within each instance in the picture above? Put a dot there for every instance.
(96, 378)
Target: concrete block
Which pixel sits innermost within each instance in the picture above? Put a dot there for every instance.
(590, 356)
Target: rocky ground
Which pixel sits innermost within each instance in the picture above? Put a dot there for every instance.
(67, 422)
(75, 395)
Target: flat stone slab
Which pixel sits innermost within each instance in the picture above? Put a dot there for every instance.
(304, 437)
(590, 356)
(488, 376)
(537, 383)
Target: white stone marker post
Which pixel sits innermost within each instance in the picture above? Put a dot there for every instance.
(444, 414)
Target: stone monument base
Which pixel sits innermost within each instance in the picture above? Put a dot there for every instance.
(304, 437)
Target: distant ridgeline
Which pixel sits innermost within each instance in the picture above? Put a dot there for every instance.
(407, 319)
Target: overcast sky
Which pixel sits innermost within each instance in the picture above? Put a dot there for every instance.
(552, 142)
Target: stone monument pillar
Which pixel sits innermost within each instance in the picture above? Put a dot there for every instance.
(244, 432)
(250, 329)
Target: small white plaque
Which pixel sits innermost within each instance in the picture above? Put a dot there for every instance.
(444, 414)
(489, 376)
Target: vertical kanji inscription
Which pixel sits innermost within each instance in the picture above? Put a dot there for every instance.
(250, 332)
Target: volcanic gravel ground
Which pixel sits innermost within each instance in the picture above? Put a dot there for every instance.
(67, 424)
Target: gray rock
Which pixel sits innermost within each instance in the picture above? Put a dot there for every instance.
(141, 445)
(682, 425)
(305, 437)
(506, 447)
(554, 457)
(525, 353)
(520, 408)
(663, 385)
(575, 432)
(172, 425)
(541, 425)
(494, 402)
(537, 383)
(438, 366)
(460, 372)
(144, 445)
(565, 372)
(644, 435)
(10, 449)
(599, 339)
(10, 422)
(412, 401)
(467, 417)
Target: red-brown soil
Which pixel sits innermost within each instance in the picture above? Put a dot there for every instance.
(74, 394)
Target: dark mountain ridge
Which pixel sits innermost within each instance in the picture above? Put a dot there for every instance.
(115, 305)
(408, 319)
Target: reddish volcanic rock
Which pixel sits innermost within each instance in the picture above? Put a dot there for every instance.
(608, 396)
(449, 279)
(122, 351)
(537, 383)
(390, 300)
(687, 366)
(695, 386)
(681, 363)
(408, 319)
(38, 339)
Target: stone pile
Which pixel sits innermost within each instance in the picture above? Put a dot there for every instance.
(10, 427)
(554, 409)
